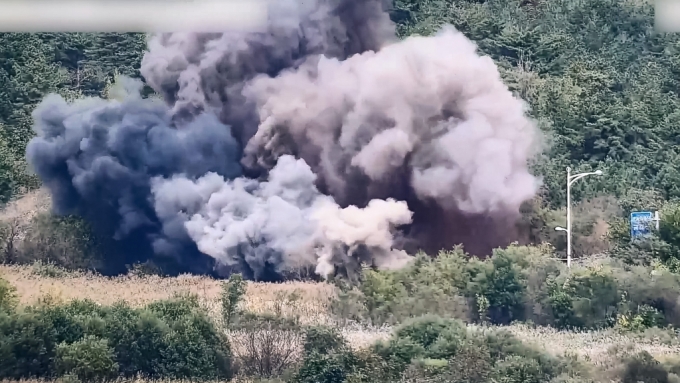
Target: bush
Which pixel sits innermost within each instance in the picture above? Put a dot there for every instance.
(499, 282)
(233, 292)
(644, 368)
(517, 283)
(67, 242)
(27, 345)
(328, 359)
(322, 340)
(324, 368)
(168, 339)
(266, 349)
(519, 369)
(432, 349)
(8, 296)
(426, 330)
(89, 359)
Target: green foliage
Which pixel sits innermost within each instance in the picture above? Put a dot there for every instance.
(327, 358)
(322, 368)
(444, 350)
(519, 369)
(49, 270)
(8, 296)
(499, 282)
(522, 283)
(10, 171)
(168, 339)
(33, 65)
(89, 359)
(27, 345)
(425, 331)
(322, 340)
(233, 291)
(594, 295)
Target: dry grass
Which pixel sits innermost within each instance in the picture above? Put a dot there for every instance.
(308, 301)
(594, 346)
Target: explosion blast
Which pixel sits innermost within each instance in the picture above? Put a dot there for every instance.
(319, 142)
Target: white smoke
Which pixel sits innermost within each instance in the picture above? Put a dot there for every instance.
(284, 221)
(433, 99)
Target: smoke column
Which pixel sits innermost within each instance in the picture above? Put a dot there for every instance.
(318, 142)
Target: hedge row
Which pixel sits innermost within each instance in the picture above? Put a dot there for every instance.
(167, 339)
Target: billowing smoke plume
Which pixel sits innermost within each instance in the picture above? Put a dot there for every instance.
(284, 221)
(316, 143)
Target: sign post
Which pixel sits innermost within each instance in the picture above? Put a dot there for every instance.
(641, 224)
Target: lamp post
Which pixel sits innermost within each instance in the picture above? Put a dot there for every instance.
(570, 181)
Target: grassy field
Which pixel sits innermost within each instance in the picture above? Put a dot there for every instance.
(309, 302)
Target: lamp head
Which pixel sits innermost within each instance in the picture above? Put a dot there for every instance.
(558, 228)
(598, 172)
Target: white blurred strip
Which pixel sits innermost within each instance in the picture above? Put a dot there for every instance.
(667, 15)
(131, 15)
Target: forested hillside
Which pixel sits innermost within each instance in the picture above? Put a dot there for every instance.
(34, 65)
(601, 83)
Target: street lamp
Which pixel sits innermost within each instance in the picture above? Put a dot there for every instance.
(570, 181)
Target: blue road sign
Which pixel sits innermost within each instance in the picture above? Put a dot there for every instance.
(641, 224)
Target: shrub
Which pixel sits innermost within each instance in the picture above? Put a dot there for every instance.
(8, 296)
(324, 368)
(426, 330)
(519, 369)
(656, 291)
(561, 305)
(149, 344)
(450, 342)
(327, 358)
(233, 292)
(266, 349)
(644, 368)
(499, 281)
(89, 359)
(74, 320)
(179, 306)
(168, 339)
(471, 363)
(48, 269)
(67, 242)
(323, 339)
(194, 348)
(398, 353)
(27, 345)
(595, 296)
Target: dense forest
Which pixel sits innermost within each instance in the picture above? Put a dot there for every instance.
(598, 79)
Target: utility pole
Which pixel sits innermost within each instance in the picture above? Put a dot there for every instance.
(656, 220)
(570, 181)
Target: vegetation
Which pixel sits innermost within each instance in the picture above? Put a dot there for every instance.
(603, 87)
(170, 338)
(519, 283)
(180, 335)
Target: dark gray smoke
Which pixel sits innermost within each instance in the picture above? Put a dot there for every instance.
(97, 158)
(200, 72)
(320, 141)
